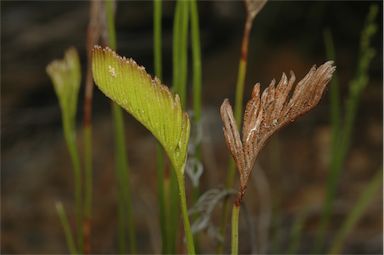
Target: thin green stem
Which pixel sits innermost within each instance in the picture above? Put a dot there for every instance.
(334, 90)
(171, 223)
(157, 36)
(197, 81)
(184, 210)
(297, 232)
(173, 211)
(121, 166)
(157, 10)
(238, 114)
(240, 90)
(176, 49)
(122, 231)
(122, 169)
(356, 88)
(66, 227)
(235, 229)
(110, 14)
(184, 51)
(70, 138)
(196, 58)
(180, 58)
(180, 50)
(122, 174)
(356, 212)
(161, 196)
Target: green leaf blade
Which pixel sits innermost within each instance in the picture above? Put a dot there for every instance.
(150, 102)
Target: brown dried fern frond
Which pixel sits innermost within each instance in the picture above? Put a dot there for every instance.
(266, 114)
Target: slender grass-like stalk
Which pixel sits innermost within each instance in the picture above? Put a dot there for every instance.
(253, 7)
(180, 58)
(176, 49)
(172, 188)
(173, 216)
(121, 228)
(161, 196)
(334, 92)
(266, 113)
(70, 138)
(157, 34)
(157, 14)
(275, 244)
(238, 114)
(184, 210)
(356, 88)
(357, 211)
(122, 169)
(66, 78)
(67, 228)
(296, 232)
(197, 79)
(180, 49)
(235, 229)
(196, 58)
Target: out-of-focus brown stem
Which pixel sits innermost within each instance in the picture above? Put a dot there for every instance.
(238, 114)
(93, 36)
(245, 42)
(87, 235)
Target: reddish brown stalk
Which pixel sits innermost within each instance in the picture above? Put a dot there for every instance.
(93, 36)
(87, 235)
(268, 112)
(252, 7)
(245, 42)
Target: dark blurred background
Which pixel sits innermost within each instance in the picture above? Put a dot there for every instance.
(35, 166)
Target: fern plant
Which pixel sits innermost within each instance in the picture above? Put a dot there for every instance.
(153, 105)
(66, 77)
(265, 114)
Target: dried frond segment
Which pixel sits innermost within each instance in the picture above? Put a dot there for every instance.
(266, 114)
(150, 102)
(254, 7)
(205, 206)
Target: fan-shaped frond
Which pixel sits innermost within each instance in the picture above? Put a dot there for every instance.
(150, 102)
(266, 114)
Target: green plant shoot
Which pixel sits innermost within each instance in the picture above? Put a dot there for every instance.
(150, 102)
(66, 77)
(153, 105)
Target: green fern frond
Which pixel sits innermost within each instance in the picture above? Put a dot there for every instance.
(66, 77)
(150, 102)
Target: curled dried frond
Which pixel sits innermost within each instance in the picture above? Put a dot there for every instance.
(266, 114)
(205, 206)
